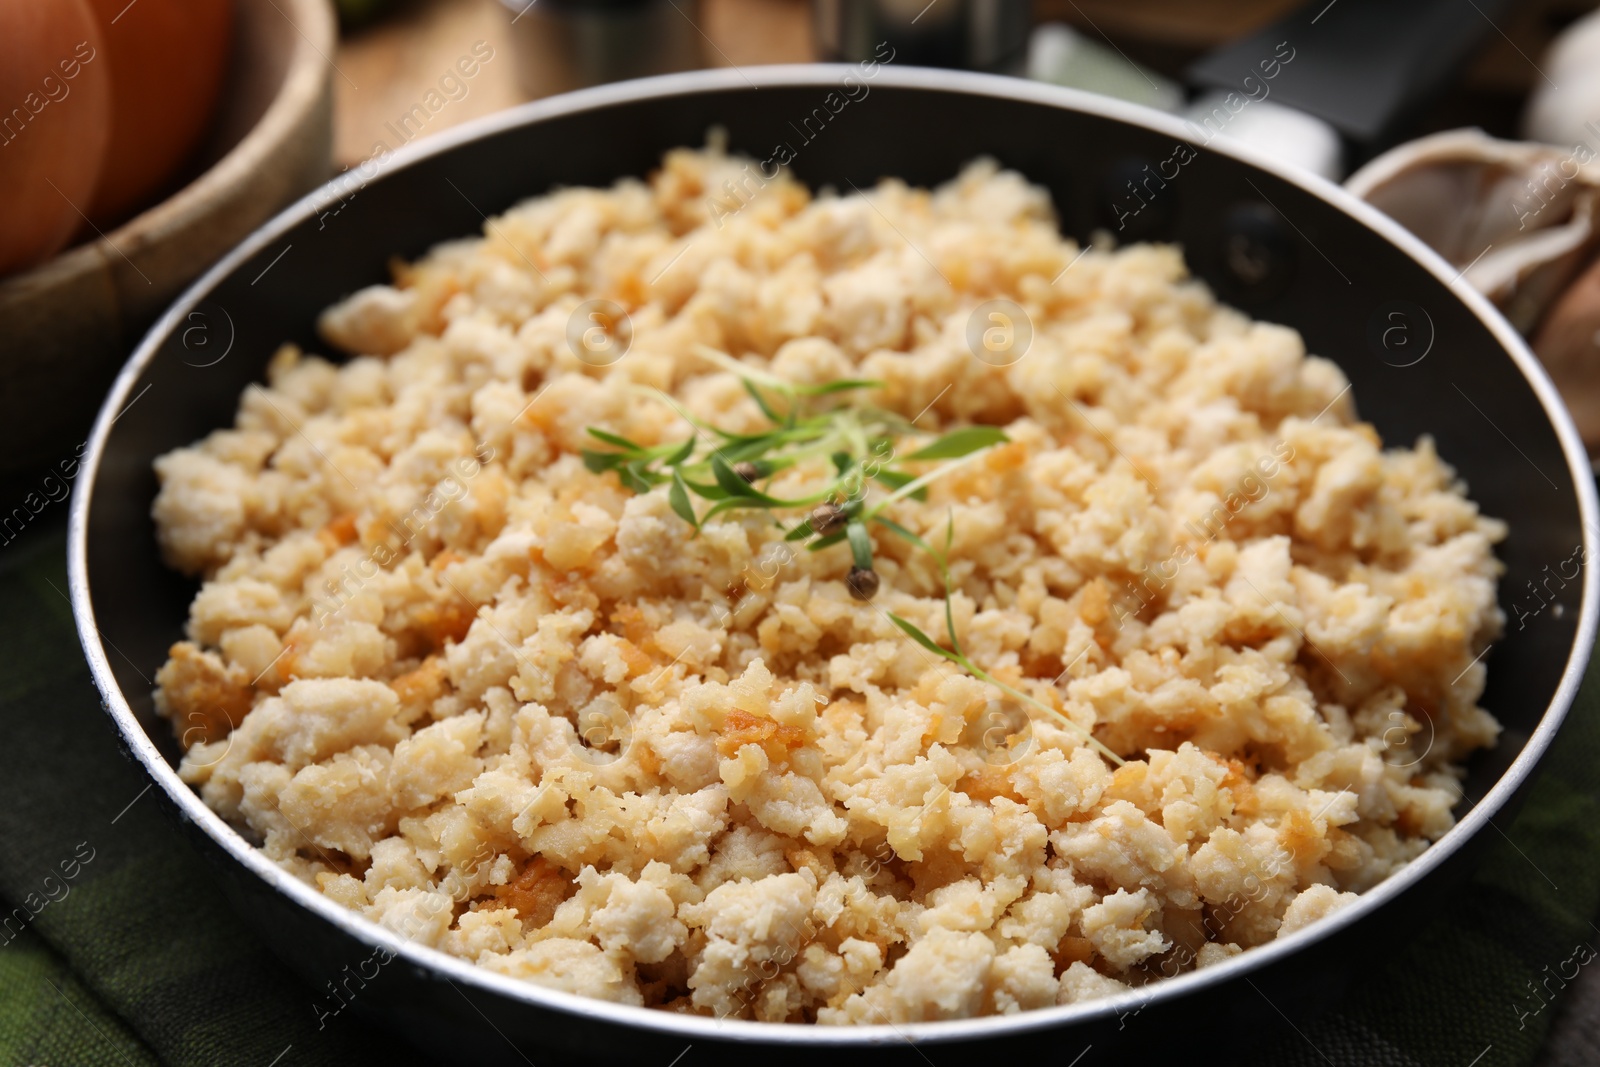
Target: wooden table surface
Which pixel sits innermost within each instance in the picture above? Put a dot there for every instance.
(384, 71)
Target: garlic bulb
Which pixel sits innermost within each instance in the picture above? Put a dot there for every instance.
(1566, 97)
(1519, 220)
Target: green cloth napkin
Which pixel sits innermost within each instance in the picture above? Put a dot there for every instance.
(134, 958)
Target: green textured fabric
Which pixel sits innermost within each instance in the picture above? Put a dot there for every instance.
(136, 959)
(49, 1018)
(117, 910)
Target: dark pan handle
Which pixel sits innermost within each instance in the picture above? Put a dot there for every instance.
(1365, 66)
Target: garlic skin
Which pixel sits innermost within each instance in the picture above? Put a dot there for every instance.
(1519, 220)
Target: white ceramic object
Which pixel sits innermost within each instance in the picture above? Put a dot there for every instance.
(1290, 136)
(1060, 55)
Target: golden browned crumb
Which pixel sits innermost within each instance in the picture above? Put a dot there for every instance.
(204, 697)
(514, 711)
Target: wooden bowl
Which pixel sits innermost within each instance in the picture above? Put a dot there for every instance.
(68, 324)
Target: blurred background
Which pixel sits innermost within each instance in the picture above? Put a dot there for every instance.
(141, 139)
(394, 50)
(175, 127)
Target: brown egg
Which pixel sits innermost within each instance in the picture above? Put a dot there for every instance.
(167, 59)
(55, 118)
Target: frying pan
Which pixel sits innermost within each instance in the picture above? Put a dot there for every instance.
(1424, 353)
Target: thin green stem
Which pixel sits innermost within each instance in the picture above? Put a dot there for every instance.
(743, 370)
(922, 482)
(984, 676)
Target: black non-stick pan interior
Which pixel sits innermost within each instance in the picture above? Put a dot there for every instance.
(1420, 361)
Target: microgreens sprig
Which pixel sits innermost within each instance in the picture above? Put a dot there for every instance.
(956, 655)
(859, 440)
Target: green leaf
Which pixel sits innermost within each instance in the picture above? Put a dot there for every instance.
(719, 508)
(912, 488)
(747, 451)
(681, 454)
(631, 479)
(737, 487)
(734, 503)
(761, 401)
(731, 483)
(734, 438)
(678, 497)
(842, 461)
(899, 480)
(896, 528)
(923, 639)
(614, 439)
(709, 492)
(962, 442)
(600, 462)
(701, 424)
(754, 446)
(860, 545)
(826, 542)
(841, 385)
(800, 532)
